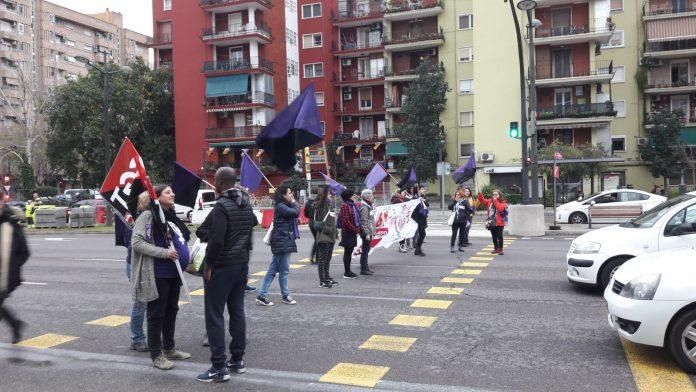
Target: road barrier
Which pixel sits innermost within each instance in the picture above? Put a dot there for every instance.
(83, 216)
(50, 217)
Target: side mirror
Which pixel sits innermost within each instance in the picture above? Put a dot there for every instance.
(593, 202)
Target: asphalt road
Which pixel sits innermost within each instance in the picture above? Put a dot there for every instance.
(518, 326)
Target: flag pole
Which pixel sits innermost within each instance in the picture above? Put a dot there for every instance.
(326, 156)
(244, 151)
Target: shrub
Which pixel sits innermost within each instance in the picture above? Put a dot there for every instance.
(46, 191)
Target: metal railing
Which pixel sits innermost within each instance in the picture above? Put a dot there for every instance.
(238, 65)
(600, 25)
(364, 135)
(208, 3)
(412, 5)
(677, 44)
(243, 132)
(355, 75)
(356, 45)
(410, 71)
(604, 67)
(576, 111)
(414, 37)
(259, 97)
(672, 84)
(356, 13)
(161, 39)
(238, 30)
(676, 8)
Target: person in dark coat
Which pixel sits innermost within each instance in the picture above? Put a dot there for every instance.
(420, 215)
(462, 210)
(326, 237)
(285, 232)
(12, 237)
(349, 222)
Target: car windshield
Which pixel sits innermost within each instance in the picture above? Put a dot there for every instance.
(589, 197)
(649, 218)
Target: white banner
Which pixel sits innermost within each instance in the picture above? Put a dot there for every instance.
(393, 223)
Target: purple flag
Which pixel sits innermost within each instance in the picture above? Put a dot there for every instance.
(409, 179)
(185, 185)
(376, 175)
(334, 186)
(466, 172)
(251, 174)
(293, 129)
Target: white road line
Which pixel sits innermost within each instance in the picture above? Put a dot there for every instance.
(35, 283)
(97, 259)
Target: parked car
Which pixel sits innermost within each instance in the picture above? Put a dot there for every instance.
(82, 193)
(595, 256)
(205, 200)
(577, 211)
(652, 300)
(18, 204)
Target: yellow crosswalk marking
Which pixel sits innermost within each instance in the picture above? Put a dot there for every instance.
(355, 374)
(339, 251)
(110, 321)
(484, 253)
(431, 304)
(260, 273)
(250, 281)
(479, 258)
(183, 303)
(199, 292)
(296, 266)
(456, 280)
(466, 272)
(473, 264)
(408, 320)
(388, 343)
(446, 290)
(46, 341)
(305, 260)
(654, 370)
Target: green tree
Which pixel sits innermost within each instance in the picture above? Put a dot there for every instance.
(665, 151)
(142, 109)
(420, 129)
(296, 182)
(26, 177)
(577, 170)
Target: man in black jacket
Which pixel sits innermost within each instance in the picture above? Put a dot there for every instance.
(229, 239)
(12, 238)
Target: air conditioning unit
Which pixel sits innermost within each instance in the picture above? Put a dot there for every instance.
(347, 118)
(642, 141)
(347, 96)
(487, 157)
(347, 89)
(432, 52)
(346, 62)
(376, 26)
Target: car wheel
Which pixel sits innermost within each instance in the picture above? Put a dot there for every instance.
(682, 341)
(577, 218)
(608, 271)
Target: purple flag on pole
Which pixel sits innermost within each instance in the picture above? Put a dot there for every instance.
(334, 186)
(251, 174)
(376, 175)
(409, 179)
(465, 172)
(293, 129)
(185, 185)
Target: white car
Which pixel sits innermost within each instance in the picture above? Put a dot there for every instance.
(577, 211)
(593, 257)
(652, 300)
(205, 200)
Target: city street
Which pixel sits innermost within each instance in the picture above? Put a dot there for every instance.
(516, 326)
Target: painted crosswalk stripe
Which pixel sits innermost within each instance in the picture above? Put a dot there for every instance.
(199, 292)
(479, 258)
(388, 343)
(655, 372)
(355, 374)
(456, 280)
(408, 320)
(305, 260)
(260, 273)
(250, 281)
(110, 321)
(339, 251)
(296, 266)
(431, 304)
(483, 253)
(473, 264)
(466, 271)
(446, 290)
(46, 341)
(181, 303)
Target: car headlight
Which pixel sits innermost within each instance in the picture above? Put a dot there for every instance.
(588, 247)
(642, 287)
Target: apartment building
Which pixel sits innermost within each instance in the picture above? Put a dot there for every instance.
(232, 67)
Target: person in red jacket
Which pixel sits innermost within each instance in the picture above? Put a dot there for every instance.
(497, 213)
(349, 223)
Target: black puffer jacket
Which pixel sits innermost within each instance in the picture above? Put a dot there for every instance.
(283, 234)
(228, 230)
(11, 235)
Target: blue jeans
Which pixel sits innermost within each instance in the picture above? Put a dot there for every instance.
(279, 264)
(137, 315)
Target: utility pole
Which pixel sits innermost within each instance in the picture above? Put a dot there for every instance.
(532, 109)
(105, 125)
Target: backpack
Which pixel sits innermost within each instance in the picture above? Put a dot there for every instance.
(309, 209)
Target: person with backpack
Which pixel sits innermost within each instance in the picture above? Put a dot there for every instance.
(349, 223)
(497, 216)
(325, 225)
(367, 228)
(309, 210)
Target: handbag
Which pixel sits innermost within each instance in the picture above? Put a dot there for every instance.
(319, 225)
(267, 237)
(450, 220)
(490, 224)
(197, 264)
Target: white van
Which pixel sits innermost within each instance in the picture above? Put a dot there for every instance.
(205, 200)
(595, 256)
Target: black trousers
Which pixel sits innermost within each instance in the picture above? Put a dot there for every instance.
(421, 236)
(161, 316)
(324, 253)
(365, 252)
(458, 227)
(465, 230)
(226, 287)
(313, 255)
(5, 314)
(347, 255)
(497, 234)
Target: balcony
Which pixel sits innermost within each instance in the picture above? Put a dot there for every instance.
(238, 34)
(225, 6)
(162, 41)
(249, 100)
(9, 14)
(11, 54)
(244, 132)
(602, 73)
(361, 165)
(667, 11)
(413, 9)
(551, 3)
(579, 115)
(394, 105)
(362, 136)
(253, 64)
(407, 75)
(357, 16)
(669, 87)
(414, 41)
(670, 49)
(357, 49)
(373, 109)
(10, 34)
(599, 32)
(357, 79)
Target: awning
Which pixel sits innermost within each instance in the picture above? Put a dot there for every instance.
(671, 29)
(688, 135)
(598, 124)
(227, 85)
(396, 148)
(233, 144)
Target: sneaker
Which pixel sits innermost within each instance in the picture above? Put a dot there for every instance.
(263, 301)
(17, 331)
(249, 289)
(419, 252)
(495, 251)
(452, 249)
(403, 249)
(325, 285)
(468, 244)
(333, 282)
(350, 275)
(205, 342)
(500, 252)
(461, 249)
(214, 375)
(238, 367)
(366, 272)
(288, 300)
(162, 363)
(176, 355)
(140, 347)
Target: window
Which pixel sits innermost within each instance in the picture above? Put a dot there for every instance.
(466, 150)
(619, 74)
(293, 68)
(290, 36)
(466, 119)
(314, 70)
(320, 98)
(687, 215)
(618, 144)
(366, 154)
(466, 86)
(311, 11)
(633, 196)
(317, 156)
(620, 107)
(365, 95)
(616, 5)
(681, 103)
(88, 47)
(311, 41)
(322, 125)
(616, 41)
(679, 71)
(466, 22)
(466, 55)
(167, 5)
(51, 18)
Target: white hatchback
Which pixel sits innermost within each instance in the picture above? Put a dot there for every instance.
(577, 211)
(652, 300)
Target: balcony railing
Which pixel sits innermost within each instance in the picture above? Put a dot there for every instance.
(356, 76)
(244, 132)
(356, 45)
(162, 39)
(356, 13)
(257, 97)
(412, 5)
(364, 135)
(411, 71)
(677, 8)
(208, 3)
(362, 164)
(238, 30)
(600, 25)
(678, 44)
(601, 68)
(391, 103)
(238, 65)
(414, 37)
(576, 111)
(672, 84)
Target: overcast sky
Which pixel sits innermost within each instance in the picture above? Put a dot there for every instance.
(137, 14)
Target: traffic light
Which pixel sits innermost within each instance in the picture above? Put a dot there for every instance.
(514, 131)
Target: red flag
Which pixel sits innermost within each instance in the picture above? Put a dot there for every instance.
(556, 171)
(557, 155)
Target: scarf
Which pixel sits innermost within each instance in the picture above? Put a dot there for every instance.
(172, 218)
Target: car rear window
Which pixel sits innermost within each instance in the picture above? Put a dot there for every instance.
(208, 197)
